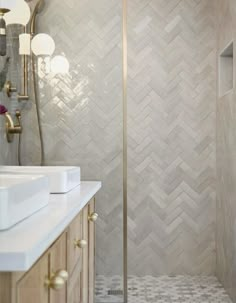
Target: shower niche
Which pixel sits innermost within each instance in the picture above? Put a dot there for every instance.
(226, 70)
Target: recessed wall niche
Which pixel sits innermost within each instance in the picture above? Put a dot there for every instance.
(226, 70)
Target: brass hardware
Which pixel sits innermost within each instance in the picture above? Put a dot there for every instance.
(93, 217)
(11, 128)
(24, 96)
(39, 5)
(3, 11)
(9, 89)
(63, 274)
(80, 243)
(125, 144)
(57, 280)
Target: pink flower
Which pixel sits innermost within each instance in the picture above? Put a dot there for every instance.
(3, 109)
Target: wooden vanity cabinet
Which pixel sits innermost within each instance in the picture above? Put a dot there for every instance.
(30, 288)
(64, 274)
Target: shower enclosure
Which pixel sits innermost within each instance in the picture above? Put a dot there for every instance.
(138, 112)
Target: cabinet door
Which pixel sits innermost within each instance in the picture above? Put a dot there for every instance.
(74, 235)
(57, 261)
(85, 273)
(74, 294)
(32, 288)
(91, 253)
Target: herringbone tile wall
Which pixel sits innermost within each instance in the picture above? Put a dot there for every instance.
(226, 161)
(171, 111)
(82, 112)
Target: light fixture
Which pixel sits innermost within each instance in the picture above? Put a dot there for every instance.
(20, 14)
(43, 45)
(5, 7)
(60, 65)
(43, 66)
(25, 41)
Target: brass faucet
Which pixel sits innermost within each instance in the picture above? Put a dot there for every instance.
(11, 127)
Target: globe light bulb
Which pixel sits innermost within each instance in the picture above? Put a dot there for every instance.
(60, 65)
(20, 13)
(43, 45)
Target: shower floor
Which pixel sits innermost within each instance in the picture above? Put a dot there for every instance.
(163, 289)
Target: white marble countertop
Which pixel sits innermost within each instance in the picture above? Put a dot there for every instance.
(22, 245)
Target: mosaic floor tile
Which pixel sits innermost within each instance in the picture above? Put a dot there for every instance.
(163, 289)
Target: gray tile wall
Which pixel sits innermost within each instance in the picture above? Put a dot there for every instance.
(82, 111)
(171, 100)
(8, 151)
(226, 160)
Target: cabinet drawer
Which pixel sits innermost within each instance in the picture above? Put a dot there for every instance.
(75, 243)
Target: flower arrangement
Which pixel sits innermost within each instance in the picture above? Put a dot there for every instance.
(3, 109)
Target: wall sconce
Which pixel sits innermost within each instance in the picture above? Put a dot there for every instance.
(5, 7)
(41, 45)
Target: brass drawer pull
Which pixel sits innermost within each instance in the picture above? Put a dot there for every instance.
(80, 243)
(93, 217)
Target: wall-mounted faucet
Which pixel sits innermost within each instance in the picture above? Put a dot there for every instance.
(11, 127)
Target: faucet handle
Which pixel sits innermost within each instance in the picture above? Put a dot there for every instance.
(11, 128)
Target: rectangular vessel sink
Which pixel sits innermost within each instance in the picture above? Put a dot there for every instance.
(20, 197)
(62, 179)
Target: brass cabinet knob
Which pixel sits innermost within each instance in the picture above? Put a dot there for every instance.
(81, 243)
(56, 282)
(93, 217)
(63, 274)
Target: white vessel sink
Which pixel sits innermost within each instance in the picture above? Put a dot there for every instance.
(20, 197)
(62, 179)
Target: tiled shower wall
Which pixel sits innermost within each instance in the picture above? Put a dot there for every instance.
(82, 112)
(226, 160)
(171, 112)
(8, 153)
(171, 105)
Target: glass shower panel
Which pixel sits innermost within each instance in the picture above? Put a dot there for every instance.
(86, 106)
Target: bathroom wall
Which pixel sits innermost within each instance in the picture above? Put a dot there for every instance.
(171, 111)
(226, 160)
(8, 153)
(82, 111)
